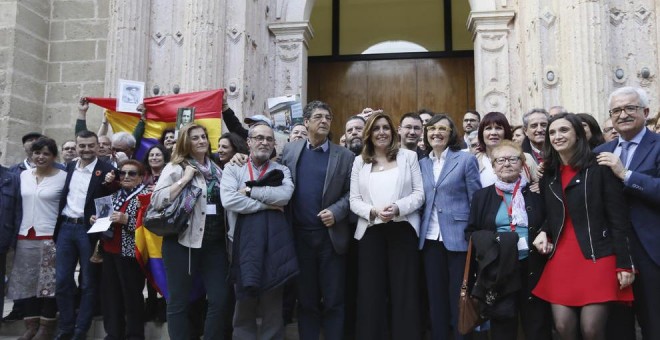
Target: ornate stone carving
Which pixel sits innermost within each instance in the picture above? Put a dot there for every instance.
(178, 38)
(493, 42)
(619, 74)
(495, 100)
(550, 76)
(288, 52)
(641, 15)
(234, 35)
(616, 16)
(548, 17)
(159, 38)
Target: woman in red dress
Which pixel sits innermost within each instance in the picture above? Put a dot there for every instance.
(585, 235)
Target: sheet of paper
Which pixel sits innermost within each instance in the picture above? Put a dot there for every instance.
(102, 224)
(210, 209)
(522, 243)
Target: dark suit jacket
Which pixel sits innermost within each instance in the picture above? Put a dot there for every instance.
(96, 189)
(643, 191)
(11, 205)
(335, 190)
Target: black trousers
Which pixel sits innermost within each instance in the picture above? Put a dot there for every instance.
(647, 290)
(388, 265)
(122, 299)
(533, 312)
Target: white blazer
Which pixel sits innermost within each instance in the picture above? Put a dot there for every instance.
(409, 196)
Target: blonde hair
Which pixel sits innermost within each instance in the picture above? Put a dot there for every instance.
(183, 148)
(509, 144)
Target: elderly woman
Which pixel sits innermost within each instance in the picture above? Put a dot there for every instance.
(450, 178)
(386, 192)
(493, 129)
(200, 248)
(510, 206)
(123, 281)
(33, 275)
(586, 234)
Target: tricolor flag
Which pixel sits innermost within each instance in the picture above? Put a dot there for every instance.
(161, 114)
(148, 250)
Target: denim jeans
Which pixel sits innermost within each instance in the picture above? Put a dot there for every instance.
(73, 244)
(211, 262)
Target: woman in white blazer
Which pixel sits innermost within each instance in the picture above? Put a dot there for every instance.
(386, 193)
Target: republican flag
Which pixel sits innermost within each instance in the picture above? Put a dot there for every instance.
(161, 114)
(148, 250)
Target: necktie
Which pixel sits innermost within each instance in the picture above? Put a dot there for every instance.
(625, 147)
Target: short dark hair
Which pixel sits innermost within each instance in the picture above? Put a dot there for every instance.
(582, 158)
(313, 105)
(474, 112)
(453, 144)
(165, 132)
(425, 110)
(46, 142)
(412, 115)
(497, 118)
(87, 134)
(355, 118)
(166, 156)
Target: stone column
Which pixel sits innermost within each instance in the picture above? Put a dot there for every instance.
(584, 56)
(203, 45)
(490, 33)
(291, 44)
(128, 43)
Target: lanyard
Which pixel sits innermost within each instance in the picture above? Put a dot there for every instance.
(509, 208)
(261, 174)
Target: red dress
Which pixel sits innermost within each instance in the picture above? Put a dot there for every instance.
(569, 279)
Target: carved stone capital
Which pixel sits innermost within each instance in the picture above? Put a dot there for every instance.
(292, 32)
(489, 21)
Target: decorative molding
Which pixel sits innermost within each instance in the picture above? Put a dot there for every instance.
(489, 21)
(616, 16)
(641, 15)
(288, 52)
(619, 75)
(495, 100)
(234, 35)
(178, 38)
(493, 42)
(548, 17)
(550, 76)
(292, 32)
(159, 38)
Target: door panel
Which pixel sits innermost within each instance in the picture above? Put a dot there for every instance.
(396, 86)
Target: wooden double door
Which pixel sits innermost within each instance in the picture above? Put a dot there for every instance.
(396, 86)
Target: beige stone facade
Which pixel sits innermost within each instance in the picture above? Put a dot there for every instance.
(529, 53)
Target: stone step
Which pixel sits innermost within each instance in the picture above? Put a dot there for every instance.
(152, 330)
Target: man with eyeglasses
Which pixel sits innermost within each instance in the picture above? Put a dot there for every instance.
(634, 157)
(609, 133)
(410, 130)
(86, 181)
(69, 152)
(471, 121)
(319, 210)
(263, 249)
(535, 122)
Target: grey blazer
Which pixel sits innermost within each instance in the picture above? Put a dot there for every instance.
(335, 190)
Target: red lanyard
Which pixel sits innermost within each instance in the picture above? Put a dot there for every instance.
(261, 174)
(509, 208)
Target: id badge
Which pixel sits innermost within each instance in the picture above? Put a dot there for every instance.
(522, 243)
(210, 209)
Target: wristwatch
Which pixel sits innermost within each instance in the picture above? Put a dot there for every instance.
(248, 191)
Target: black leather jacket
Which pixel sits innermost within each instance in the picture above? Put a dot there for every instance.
(595, 201)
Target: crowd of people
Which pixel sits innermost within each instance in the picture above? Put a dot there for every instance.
(366, 239)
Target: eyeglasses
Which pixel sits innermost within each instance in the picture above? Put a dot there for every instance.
(468, 120)
(70, 148)
(129, 173)
(512, 160)
(261, 139)
(441, 129)
(474, 145)
(630, 110)
(119, 150)
(410, 127)
(608, 129)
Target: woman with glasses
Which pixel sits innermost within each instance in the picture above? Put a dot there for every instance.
(450, 179)
(200, 248)
(386, 193)
(586, 234)
(33, 274)
(122, 300)
(493, 129)
(510, 206)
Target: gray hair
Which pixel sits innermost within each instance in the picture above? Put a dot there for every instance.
(525, 117)
(642, 97)
(473, 134)
(259, 123)
(560, 108)
(124, 137)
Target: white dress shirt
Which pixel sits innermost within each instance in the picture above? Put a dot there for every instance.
(40, 202)
(75, 200)
(631, 151)
(433, 233)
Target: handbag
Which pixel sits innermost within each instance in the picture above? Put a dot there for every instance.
(173, 219)
(468, 307)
